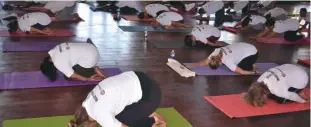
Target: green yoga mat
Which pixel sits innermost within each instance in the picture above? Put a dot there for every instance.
(173, 118)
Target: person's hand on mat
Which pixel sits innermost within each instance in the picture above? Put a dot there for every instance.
(95, 77)
(220, 43)
(252, 38)
(304, 96)
(159, 121)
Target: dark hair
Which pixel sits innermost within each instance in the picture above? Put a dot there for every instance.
(12, 26)
(270, 22)
(13, 23)
(230, 4)
(303, 10)
(48, 69)
(246, 20)
(160, 12)
(141, 15)
(268, 16)
(188, 40)
(201, 11)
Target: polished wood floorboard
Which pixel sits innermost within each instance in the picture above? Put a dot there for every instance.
(129, 51)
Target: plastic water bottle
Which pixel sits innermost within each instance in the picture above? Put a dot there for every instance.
(146, 33)
(172, 54)
(118, 13)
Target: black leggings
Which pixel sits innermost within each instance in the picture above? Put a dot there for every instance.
(292, 36)
(281, 100)
(137, 114)
(39, 26)
(220, 17)
(247, 63)
(85, 72)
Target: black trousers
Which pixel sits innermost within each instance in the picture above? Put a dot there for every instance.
(247, 63)
(85, 72)
(39, 26)
(220, 17)
(137, 114)
(281, 100)
(292, 36)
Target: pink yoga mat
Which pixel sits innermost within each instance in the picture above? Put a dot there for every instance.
(54, 19)
(306, 62)
(280, 40)
(234, 107)
(58, 33)
(24, 80)
(231, 30)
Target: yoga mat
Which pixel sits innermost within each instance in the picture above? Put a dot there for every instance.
(130, 17)
(211, 18)
(167, 43)
(34, 9)
(223, 70)
(281, 40)
(54, 19)
(307, 62)
(149, 28)
(58, 33)
(23, 80)
(234, 107)
(173, 119)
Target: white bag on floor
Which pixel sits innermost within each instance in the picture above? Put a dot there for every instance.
(179, 68)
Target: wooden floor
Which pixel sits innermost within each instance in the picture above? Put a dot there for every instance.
(129, 51)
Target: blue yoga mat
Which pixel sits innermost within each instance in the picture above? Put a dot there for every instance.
(150, 28)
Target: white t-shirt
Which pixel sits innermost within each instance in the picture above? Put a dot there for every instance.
(202, 32)
(26, 21)
(189, 6)
(307, 18)
(286, 25)
(239, 5)
(212, 7)
(67, 55)
(56, 6)
(111, 96)
(152, 9)
(166, 18)
(131, 4)
(256, 19)
(279, 79)
(265, 3)
(276, 12)
(233, 54)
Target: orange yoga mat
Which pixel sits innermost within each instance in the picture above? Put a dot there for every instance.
(234, 106)
(130, 17)
(307, 62)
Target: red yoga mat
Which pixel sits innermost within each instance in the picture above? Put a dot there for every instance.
(280, 40)
(58, 33)
(34, 9)
(307, 62)
(231, 30)
(234, 107)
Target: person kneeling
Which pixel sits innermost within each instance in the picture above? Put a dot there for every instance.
(75, 60)
(255, 21)
(129, 99)
(204, 35)
(36, 23)
(150, 12)
(289, 27)
(283, 84)
(238, 57)
(169, 21)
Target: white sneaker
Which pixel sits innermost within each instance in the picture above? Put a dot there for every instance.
(221, 27)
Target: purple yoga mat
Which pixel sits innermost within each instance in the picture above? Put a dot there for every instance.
(23, 80)
(223, 70)
(31, 46)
